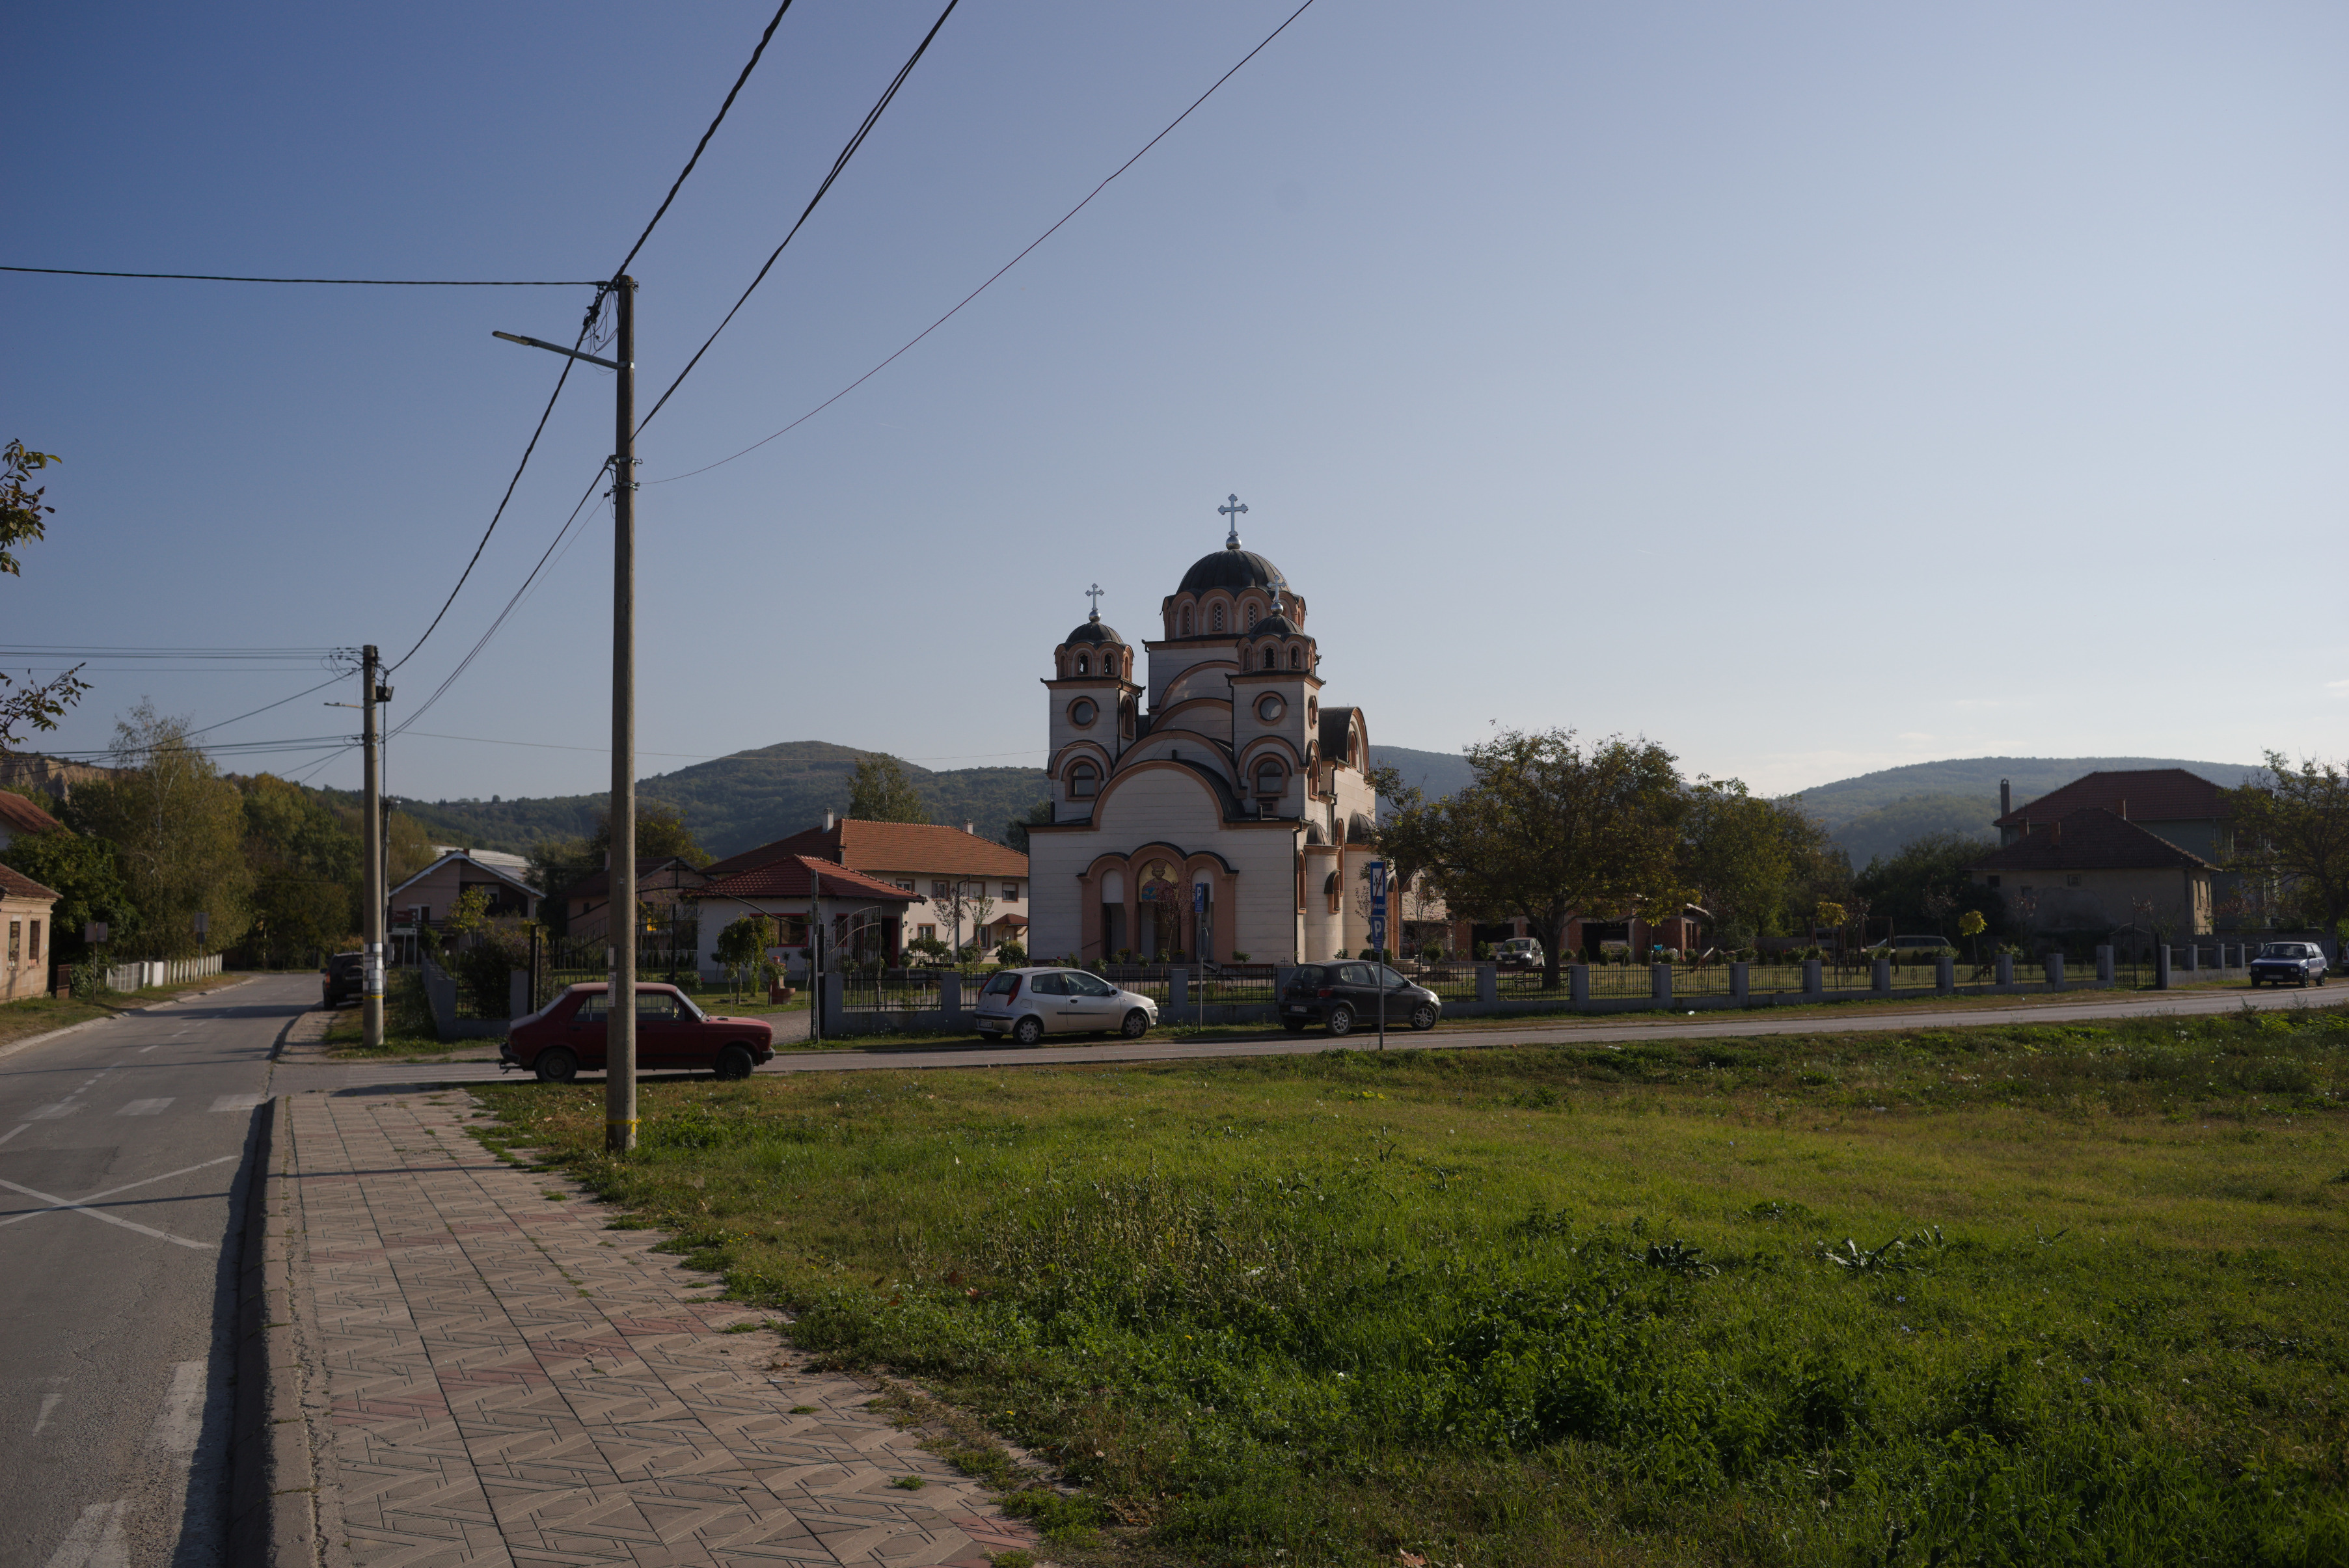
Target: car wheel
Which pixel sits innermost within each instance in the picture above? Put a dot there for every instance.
(1028, 1031)
(736, 1061)
(1423, 1018)
(556, 1064)
(1137, 1024)
(1340, 1020)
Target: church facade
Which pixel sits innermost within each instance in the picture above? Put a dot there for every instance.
(1205, 801)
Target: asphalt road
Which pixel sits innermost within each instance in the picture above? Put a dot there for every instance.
(124, 1148)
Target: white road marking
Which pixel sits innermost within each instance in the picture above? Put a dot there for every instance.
(58, 1204)
(48, 1402)
(96, 1539)
(238, 1101)
(51, 1112)
(184, 1411)
(146, 1106)
(12, 1133)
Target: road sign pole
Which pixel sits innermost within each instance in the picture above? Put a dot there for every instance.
(1378, 870)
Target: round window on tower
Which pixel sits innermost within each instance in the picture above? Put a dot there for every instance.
(1269, 708)
(1083, 712)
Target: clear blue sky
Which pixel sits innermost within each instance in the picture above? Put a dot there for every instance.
(1812, 387)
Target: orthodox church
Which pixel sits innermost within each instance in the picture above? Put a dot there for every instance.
(1209, 804)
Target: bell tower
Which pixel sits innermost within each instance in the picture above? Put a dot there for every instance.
(1091, 720)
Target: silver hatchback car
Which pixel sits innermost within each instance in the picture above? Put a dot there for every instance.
(1029, 1003)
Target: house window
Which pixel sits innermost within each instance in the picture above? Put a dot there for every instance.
(1220, 617)
(940, 890)
(1011, 890)
(1271, 777)
(35, 953)
(906, 884)
(925, 934)
(1084, 781)
(15, 935)
(2073, 880)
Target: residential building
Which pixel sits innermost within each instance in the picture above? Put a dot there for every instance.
(20, 818)
(2094, 871)
(426, 898)
(25, 907)
(664, 883)
(861, 917)
(950, 871)
(2185, 809)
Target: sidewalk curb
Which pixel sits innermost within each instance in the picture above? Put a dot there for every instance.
(13, 1047)
(273, 1497)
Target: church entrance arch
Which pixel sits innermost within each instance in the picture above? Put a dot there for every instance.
(1161, 904)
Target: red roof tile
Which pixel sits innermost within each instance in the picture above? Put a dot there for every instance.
(798, 876)
(924, 849)
(22, 816)
(15, 884)
(2141, 794)
(2090, 838)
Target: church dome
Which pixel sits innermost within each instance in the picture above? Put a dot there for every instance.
(1094, 631)
(1274, 625)
(1233, 568)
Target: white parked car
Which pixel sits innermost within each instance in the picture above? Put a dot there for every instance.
(1029, 1003)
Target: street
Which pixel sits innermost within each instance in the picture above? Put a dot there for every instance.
(123, 1150)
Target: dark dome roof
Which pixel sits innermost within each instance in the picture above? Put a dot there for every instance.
(1231, 568)
(1274, 625)
(1094, 631)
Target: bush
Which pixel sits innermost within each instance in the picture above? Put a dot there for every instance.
(1011, 955)
(1481, 953)
(1239, 958)
(1431, 954)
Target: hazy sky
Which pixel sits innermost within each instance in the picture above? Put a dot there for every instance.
(1811, 388)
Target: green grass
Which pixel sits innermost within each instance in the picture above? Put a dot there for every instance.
(2014, 1294)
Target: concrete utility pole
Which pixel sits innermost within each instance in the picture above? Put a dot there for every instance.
(620, 1040)
(371, 836)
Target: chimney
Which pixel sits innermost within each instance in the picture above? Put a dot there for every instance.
(2058, 832)
(2005, 797)
(2124, 810)
(829, 820)
(969, 828)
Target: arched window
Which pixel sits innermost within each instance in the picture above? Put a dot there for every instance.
(1268, 659)
(1271, 777)
(1297, 658)
(1220, 617)
(1251, 614)
(1080, 665)
(1186, 619)
(1084, 781)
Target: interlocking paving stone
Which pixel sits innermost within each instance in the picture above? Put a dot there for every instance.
(505, 1387)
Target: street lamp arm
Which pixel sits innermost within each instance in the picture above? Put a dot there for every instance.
(558, 348)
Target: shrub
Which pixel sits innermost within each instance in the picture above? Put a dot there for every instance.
(1239, 958)
(1482, 951)
(1011, 955)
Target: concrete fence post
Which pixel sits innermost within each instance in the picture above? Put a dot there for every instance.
(519, 1000)
(2193, 957)
(1578, 984)
(1488, 983)
(1660, 982)
(1945, 975)
(950, 997)
(1740, 980)
(1879, 976)
(1813, 979)
(2055, 970)
(1178, 987)
(835, 1003)
(2161, 966)
(2006, 968)
(2105, 965)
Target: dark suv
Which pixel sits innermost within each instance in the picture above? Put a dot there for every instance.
(2298, 961)
(345, 976)
(1344, 996)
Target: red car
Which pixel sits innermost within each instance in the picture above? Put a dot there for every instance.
(672, 1035)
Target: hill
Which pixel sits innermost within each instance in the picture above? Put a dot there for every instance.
(1874, 814)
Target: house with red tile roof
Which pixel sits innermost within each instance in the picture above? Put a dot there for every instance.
(2092, 869)
(857, 916)
(25, 907)
(2184, 808)
(20, 818)
(951, 872)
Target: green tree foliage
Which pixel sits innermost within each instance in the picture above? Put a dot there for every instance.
(1015, 832)
(2292, 828)
(661, 833)
(1926, 885)
(741, 944)
(1550, 828)
(21, 517)
(82, 871)
(306, 866)
(1737, 852)
(879, 791)
(178, 830)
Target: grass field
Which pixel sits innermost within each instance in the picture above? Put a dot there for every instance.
(2001, 1294)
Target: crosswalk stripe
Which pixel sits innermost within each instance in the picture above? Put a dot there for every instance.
(146, 1106)
(51, 1112)
(184, 1411)
(238, 1101)
(96, 1539)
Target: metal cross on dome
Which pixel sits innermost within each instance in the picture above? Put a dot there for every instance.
(1234, 511)
(1094, 593)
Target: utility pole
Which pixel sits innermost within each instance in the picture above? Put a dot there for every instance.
(620, 1039)
(371, 836)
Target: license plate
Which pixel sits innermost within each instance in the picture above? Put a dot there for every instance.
(1300, 1010)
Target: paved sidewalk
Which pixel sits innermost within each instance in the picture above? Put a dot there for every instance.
(495, 1378)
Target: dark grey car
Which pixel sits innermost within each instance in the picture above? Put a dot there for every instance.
(1346, 994)
(2302, 963)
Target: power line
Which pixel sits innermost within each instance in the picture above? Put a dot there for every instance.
(847, 153)
(369, 283)
(999, 272)
(750, 66)
(67, 650)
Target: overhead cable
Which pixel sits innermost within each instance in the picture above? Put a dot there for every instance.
(999, 272)
(872, 117)
(367, 282)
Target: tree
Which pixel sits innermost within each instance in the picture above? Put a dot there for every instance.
(661, 833)
(1015, 832)
(1925, 881)
(81, 870)
(21, 514)
(306, 863)
(880, 792)
(741, 944)
(2293, 829)
(1548, 830)
(1737, 853)
(178, 831)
